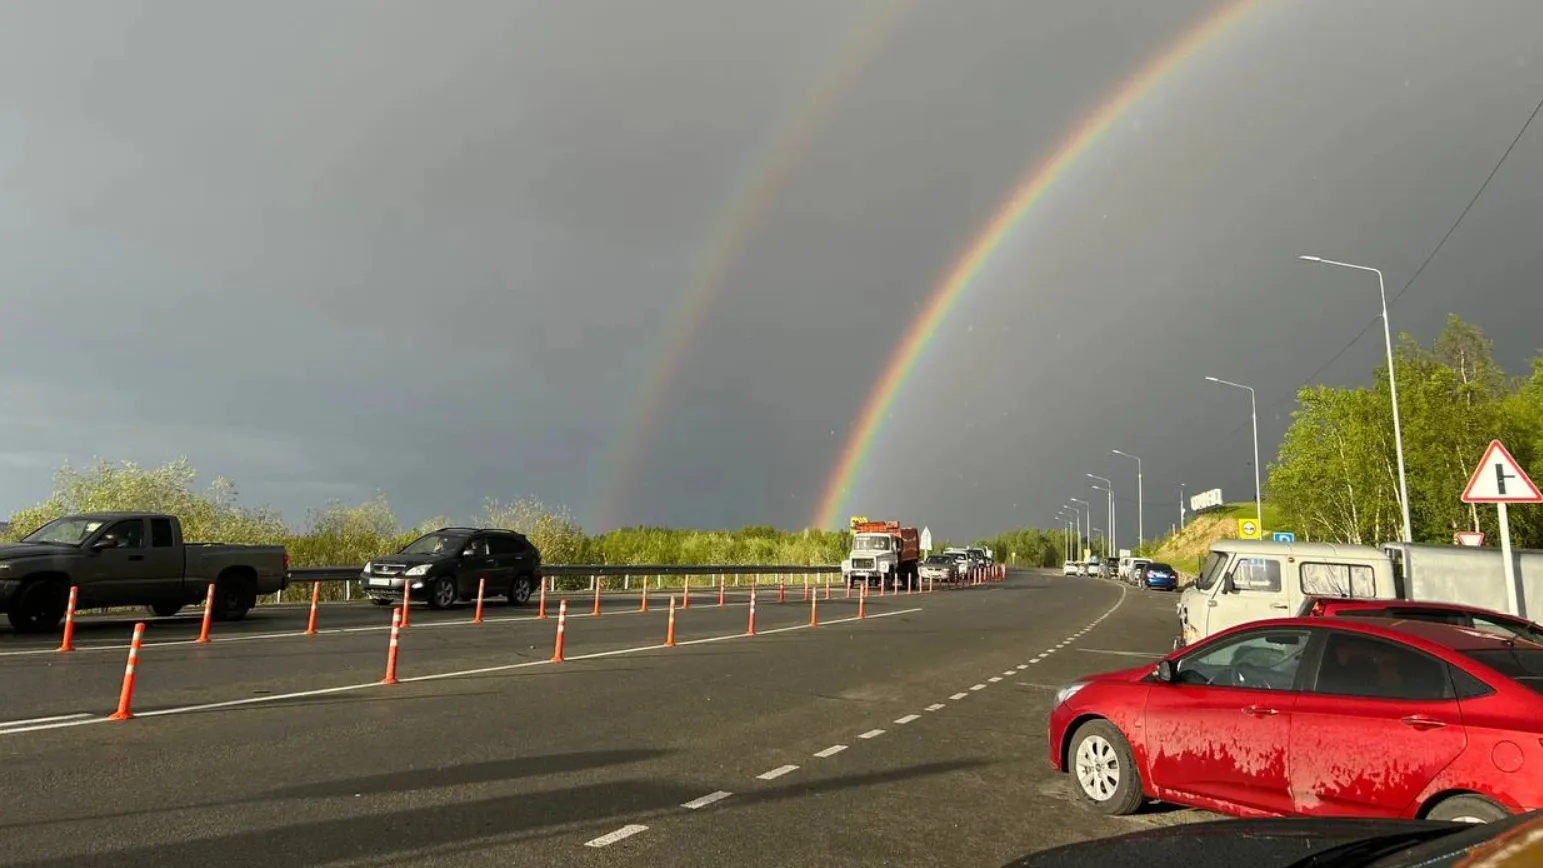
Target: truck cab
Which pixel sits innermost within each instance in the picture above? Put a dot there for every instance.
(875, 557)
(1251, 580)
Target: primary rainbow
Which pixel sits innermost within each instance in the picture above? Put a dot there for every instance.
(1028, 192)
(731, 230)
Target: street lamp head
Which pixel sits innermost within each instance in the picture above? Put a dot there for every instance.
(1213, 379)
(1306, 258)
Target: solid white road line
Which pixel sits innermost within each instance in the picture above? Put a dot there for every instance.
(777, 772)
(461, 673)
(872, 733)
(36, 720)
(618, 835)
(706, 800)
(908, 718)
(935, 706)
(958, 696)
(830, 751)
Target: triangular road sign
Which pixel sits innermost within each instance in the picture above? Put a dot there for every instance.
(1499, 479)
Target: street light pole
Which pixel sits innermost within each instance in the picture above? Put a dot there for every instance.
(1141, 522)
(1078, 513)
(1253, 411)
(1387, 340)
(1088, 512)
(1181, 506)
(1108, 490)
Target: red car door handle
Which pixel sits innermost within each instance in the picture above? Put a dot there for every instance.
(1415, 721)
(1259, 711)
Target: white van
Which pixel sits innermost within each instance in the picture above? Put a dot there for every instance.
(1252, 580)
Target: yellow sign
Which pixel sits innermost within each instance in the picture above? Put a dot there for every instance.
(859, 519)
(1249, 529)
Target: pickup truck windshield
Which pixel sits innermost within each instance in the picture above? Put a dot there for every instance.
(435, 544)
(64, 531)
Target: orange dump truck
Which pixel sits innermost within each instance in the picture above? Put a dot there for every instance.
(883, 552)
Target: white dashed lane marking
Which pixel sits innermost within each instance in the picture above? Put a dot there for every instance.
(872, 733)
(994, 679)
(777, 772)
(830, 751)
(908, 718)
(977, 687)
(618, 835)
(958, 696)
(936, 706)
(706, 800)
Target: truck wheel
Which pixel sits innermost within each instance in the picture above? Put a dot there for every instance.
(233, 598)
(520, 590)
(444, 593)
(165, 610)
(40, 607)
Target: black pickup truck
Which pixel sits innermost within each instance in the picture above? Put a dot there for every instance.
(130, 559)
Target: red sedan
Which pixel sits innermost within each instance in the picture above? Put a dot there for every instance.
(1342, 717)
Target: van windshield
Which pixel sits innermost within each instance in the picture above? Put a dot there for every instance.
(1211, 571)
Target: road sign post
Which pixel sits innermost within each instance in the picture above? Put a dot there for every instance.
(1500, 480)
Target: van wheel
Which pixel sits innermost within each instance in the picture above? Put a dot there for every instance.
(40, 607)
(1105, 772)
(1468, 809)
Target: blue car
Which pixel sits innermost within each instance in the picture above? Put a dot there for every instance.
(1159, 577)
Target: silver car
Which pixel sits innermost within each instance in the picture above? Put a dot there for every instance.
(939, 568)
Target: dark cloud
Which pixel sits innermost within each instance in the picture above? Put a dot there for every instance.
(329, 249)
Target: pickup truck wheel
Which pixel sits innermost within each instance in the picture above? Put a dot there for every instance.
(520, 590)
(233, 598)
(40, 607)
(444, 594)
(165, 610)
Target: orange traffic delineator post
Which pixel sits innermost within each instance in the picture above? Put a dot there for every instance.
(862, 603)
(814, 612)
(685, 592)
(541, 607)
(391, 646)
(721, 590)
(310, 623)
(643, 600)
(782, 592)
(482, 589)
(562, 629)
(595, 612)
(68, 643)
(407, 603)
(849, 590)
(203, 632)
(669, 631)
(806, 590)
(126, 695)
(750, 628)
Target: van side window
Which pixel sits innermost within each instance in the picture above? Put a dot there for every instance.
(1256, 574)
(1338, 580)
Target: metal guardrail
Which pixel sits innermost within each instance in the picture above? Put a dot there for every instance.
(348, 574)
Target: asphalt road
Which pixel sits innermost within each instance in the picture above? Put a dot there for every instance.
(877, 742)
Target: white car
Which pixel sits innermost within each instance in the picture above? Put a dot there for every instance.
(1069, 568)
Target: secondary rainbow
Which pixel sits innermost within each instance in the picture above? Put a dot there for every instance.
(732, 229)
(1023, 198)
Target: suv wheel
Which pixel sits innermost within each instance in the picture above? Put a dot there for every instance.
(444, 593)
(520, 590)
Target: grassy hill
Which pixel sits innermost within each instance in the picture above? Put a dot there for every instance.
(1187, 549)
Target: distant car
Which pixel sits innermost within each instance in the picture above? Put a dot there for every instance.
(1069, 568)
(939, 568)
(1352, 717)
(1157, 577)
(1133, 573)
(445, 566)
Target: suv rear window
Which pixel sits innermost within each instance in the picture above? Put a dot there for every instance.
(1522, 665)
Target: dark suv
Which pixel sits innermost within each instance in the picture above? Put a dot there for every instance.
(443, 567)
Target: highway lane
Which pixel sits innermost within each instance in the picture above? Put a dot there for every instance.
(175, 671)
(526, 766)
